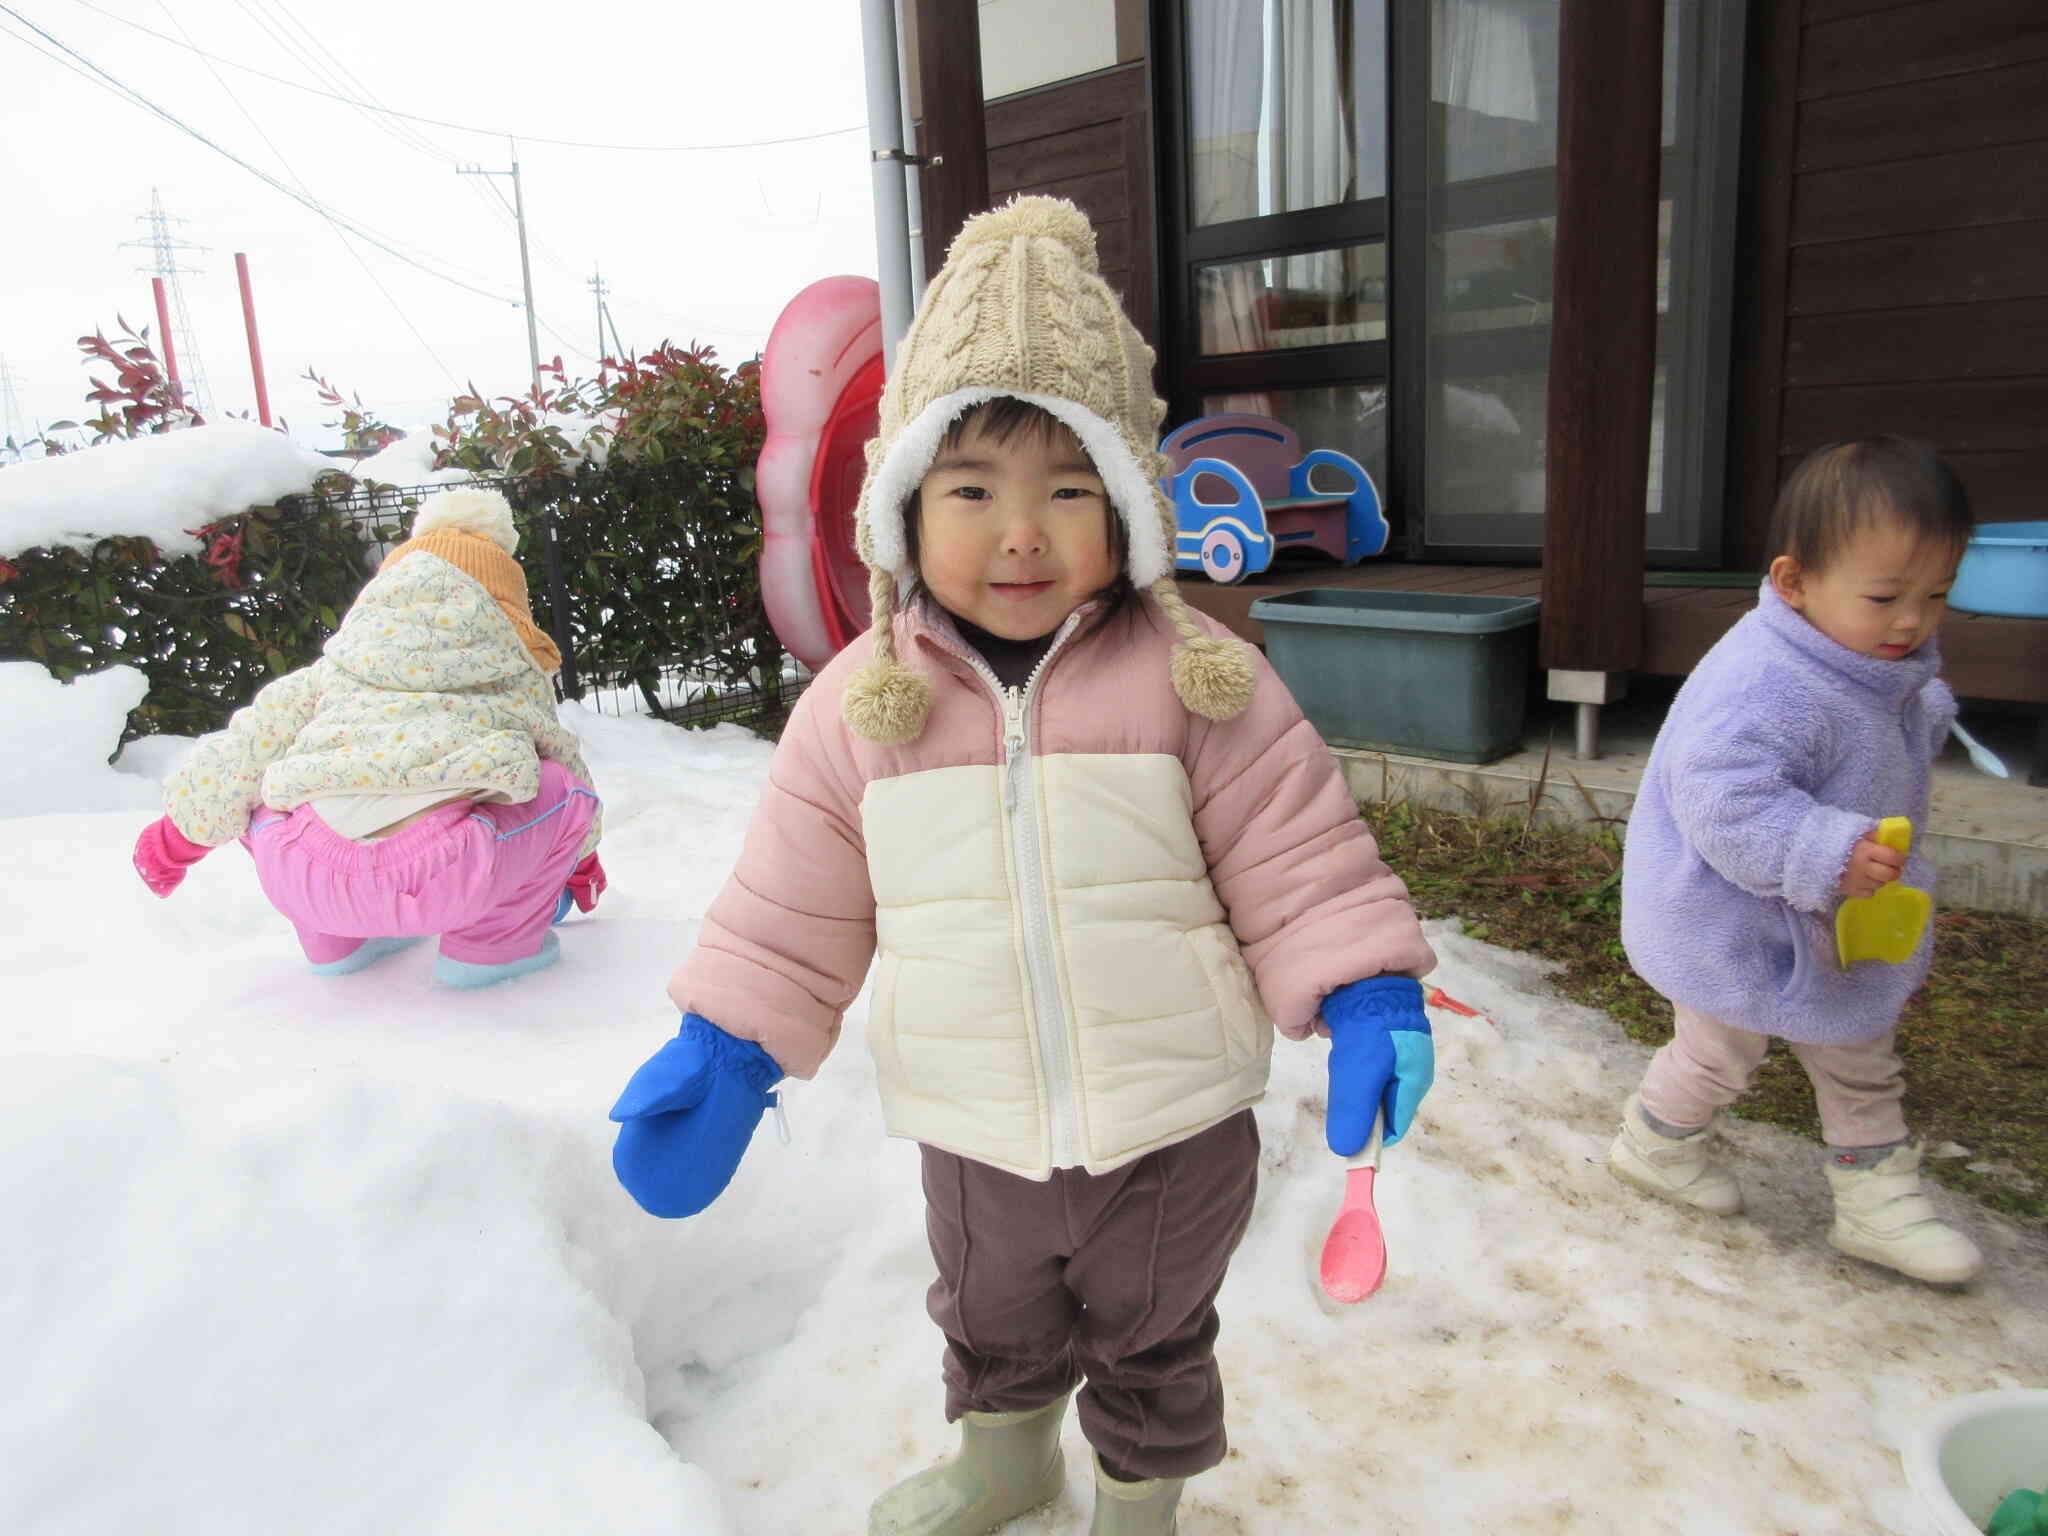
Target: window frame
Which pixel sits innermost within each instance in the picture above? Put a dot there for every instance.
(1188, 374)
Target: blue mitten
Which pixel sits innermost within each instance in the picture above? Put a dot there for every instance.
(687, 1115)
(1381, 1057)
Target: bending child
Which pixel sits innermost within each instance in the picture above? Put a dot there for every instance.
(1096, 855)
(413, 781)
(1814, 718)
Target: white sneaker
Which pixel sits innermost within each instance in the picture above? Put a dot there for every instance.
(1672, 1168)
(1883, 1215)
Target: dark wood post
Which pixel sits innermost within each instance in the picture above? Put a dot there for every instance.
(955, 131)
(1603, 338)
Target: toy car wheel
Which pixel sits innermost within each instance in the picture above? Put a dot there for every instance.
(1223, 555)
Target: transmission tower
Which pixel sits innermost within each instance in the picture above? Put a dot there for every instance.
(191, 370)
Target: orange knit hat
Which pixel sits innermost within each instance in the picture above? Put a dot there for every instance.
(473, 531)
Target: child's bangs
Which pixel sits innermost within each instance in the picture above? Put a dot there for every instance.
(1006, 419)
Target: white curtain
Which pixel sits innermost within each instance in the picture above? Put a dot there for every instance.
(1226, 66)
(1483, 57)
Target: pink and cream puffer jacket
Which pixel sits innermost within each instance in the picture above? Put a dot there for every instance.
(1087, 908)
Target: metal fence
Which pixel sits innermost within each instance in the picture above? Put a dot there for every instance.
(692, 689)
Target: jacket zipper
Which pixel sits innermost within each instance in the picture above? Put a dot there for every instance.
(1020, 810)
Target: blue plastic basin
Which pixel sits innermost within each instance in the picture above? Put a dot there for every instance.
(2004, 572)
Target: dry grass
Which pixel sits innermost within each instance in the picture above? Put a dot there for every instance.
(1975, 1040)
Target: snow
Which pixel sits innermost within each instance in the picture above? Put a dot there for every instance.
(407, 462)
(158, 487)
(62, 765)
(410, 460)
(335, 1255)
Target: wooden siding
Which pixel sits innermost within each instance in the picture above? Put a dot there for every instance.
(1898, 250)
(1090, 140)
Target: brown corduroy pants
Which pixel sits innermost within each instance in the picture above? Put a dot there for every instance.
(1111, 1278)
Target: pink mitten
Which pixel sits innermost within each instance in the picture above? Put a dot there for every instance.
(163, 854)
(587, 883)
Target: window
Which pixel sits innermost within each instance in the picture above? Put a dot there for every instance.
(1487, 216)
(1274, 216)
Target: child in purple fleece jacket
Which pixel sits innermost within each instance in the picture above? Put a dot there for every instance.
(1814, 718)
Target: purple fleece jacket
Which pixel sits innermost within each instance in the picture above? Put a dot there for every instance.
(1779, 753)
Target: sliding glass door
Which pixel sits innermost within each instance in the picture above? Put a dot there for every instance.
(1275, 216)
(1485, 226)
(1358, 211)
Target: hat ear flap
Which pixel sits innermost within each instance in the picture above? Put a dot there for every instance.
(886, 701)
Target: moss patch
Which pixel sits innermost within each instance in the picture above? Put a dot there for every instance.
(1975, 1039)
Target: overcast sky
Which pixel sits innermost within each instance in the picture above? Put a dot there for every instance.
(705, 245)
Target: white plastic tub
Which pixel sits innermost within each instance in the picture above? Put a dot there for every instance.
(1969, 1453)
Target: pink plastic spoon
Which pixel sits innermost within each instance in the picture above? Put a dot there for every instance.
(1355, 1252)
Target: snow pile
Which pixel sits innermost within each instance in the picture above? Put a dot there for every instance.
(408, 461)
(60, 735)
(337, 1254)
(157, 487)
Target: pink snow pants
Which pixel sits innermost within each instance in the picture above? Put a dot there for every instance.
(486, 878)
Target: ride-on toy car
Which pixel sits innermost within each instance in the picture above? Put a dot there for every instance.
(1255, 465)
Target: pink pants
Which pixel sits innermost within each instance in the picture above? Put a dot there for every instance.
(486, 878)
(1707, 1064)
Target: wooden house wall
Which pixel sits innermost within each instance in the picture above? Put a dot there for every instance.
(1090, 140)
(1897, 255)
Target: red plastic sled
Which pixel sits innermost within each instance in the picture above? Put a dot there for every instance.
(821, 385)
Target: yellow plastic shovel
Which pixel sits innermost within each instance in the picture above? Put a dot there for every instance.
(1886, 926)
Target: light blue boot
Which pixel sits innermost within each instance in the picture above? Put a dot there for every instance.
(463, 973)
(367, 953)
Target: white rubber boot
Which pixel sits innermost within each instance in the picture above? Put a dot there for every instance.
(1008, 1464)
(1672, 1168)
(1135, 1509)
(1883, 1215)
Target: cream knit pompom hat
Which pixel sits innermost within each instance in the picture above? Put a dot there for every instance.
(1020, 309)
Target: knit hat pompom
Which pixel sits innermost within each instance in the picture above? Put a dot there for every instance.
(485, 513)
(886, 702)
(1212, 674)
(1030, 218)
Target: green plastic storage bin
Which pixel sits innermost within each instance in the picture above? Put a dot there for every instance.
(1433, 674)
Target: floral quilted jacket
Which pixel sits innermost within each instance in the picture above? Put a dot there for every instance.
(425, 686)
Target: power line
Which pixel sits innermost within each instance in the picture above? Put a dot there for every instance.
(331, 224)
(361, 231)
(411, 138)
(498, 133)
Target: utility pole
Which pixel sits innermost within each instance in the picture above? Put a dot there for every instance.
(550, 541)
(604, 318)
(525, 261)
(10, 406)
(177, 339)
